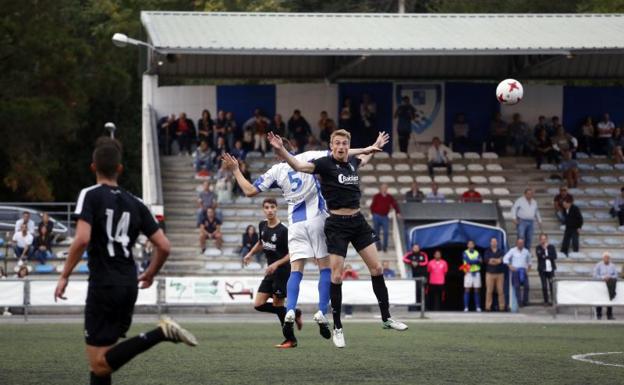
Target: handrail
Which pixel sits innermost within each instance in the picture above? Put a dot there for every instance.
(151, 176)
(397, 239)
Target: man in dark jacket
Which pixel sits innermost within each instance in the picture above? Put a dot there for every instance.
(546, 267)
(418, 260)
(573, 224)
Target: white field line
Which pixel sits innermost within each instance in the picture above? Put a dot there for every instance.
(583, 358)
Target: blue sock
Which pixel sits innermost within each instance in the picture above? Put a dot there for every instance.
(292, 290)
(323, 288)
(477, 299)
(466, 300)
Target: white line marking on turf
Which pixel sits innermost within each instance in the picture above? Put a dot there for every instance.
(583, 357)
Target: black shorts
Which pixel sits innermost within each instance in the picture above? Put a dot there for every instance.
(340, 230)
(275, 284)
(108, 313)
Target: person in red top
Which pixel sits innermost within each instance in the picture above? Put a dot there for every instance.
(380, 207)
(472, 195)
(437, 269)
(349, 274)
(185, 132)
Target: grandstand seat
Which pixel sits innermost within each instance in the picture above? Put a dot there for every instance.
(478, 179)
(609, 179)
(612, 191)
(609, 229)
(581, 155)
(405, 179)
(575, 191)
(562, 268)
(460, 179)
(589, 241)
(585, 167)
(621, 179)
(619, 166)
(602, 215)
(83, 268)
(459, 168)
(592, 191)
(597, 203)
(370, 190)
(423, 179)
(244, 201)
(393, 191)
(617, 255)
(213, 251)
(229, 226)
(613, 241)
(553, 190)
(577, 255)
(368, 202)
(257, 164)
(253, 266)
(399, 155)
(483, 191)
(62, 254)
(416, 155)
(254, 155)
(489, 155)
(442, 179)
(494, 167)
(501, 191)
(506, 203)
(214, 266)
(369, 179)
(456, 155)
(475, 167)
(44, 269)
(497, 179)
(383, 167)
(419, 168)
(588, 215)
(603, 167)
(382, 155)
(244, 213)
(59, 268)
(581, 203)
(229, 212)
(387, 179)
(401, 167)
(507, 215)
(548, 167)
(621, 229)
(351, 253)
(555, 242)
(357, 266)
(461, 190)
(404, 190)
(367, 167)
(232, 266)
(231, 238)
(446, 191)
(85, 255)
(472, 155)
(587, 228)
(589, 179)
(426, 190)
(582, 270)
(595, 255)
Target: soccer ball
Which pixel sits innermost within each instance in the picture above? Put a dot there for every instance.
(509, 91)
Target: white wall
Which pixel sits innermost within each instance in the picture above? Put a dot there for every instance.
(538, 100)
(310, 98)
(189, 99)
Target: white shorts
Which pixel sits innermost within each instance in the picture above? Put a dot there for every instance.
(306, 239)
(472, 280)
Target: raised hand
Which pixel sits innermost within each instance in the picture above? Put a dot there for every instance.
(275, 141)
(229, 162)
(382, 139)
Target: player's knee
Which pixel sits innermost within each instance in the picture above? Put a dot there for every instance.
(376, 270)
(336, 278)
(100, 367)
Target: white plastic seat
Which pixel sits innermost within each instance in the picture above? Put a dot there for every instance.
(214, 266)
(507, 215)
(483, 190)
(478, 179)
(489, 155)
(581, 155)
(423, 179)
(613, 241)
(595, 255)
(602, 215)
(471, 155)
(619, 166)
(254, 154)
(416, 155)
(577, 255)
(459, 168)
(548, 167)
(243, 226)
(310, 267)
(405, 179)
(229, 226)
(621, 229)
(446, 191)
(581, 203)
(609, 179)
(582, 270)
(253, 266)
(497, 179)
(475, 167)
(607, 229)
(552, 191)
(587, 228)
(369, 179)
(585, 167)
(589, 179)
(593, 191)
(212, 252)
(563, 268)
(399, 155)
(419, 167)
(244, 213)
(597, 203)
(367, 167)
(426, 190)
(368, 202)
(589, 241)
(456, 155)
(387, 179)
(461, 190)
(442, 179)
(382, 155)
(231, 238)
(612, 191)
(621, 179)
(401, 167)
(494, 167)
(244, 201)
(370, 190)
(588, 215)
(258, 164)
(383, 167)
(393, 191)
(404, 190)
(506, 203)
(501, 191)
(603, 167)
(232, 266)
(460, 179)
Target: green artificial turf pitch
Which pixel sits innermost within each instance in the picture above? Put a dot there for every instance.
(239, 353)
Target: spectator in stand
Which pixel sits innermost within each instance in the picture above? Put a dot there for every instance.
(418, 261)
(223, 187)
(520, 134)
(312, 144)
(404, 115)
(43, 245)
(604, 132)
(618, 144)
(498, 134)
(250, 238)
(380, 207)
(202, 158)
(205, 128)
(47, 223)
(238, 152)
(231, 130)
(255, 128)
(437, 269)
(246, 174)
(544, 149)
(541, 125)
(472, 276)
(524, 213)
(326, 127)
(165, 133)
(570, 169)
(349, 274)
(387, 271)
(588, 133)
(434, 196)
(494, 275)
(30, 225)
(184, 133)
(606, 271)
(471, 195)
(22, 244)
(562, 142)
(573, 225)
(219, 150)
(618, 207)
(346, 115)
(461, 130)
(22, 273)
(210, 228)
(439, 156)
(546, 255)
(220, 129)
(368, 115)
(278, 127)
(298, 129)
(553, 126)
(558, 203)
(205, 199)
(519, 261)
(414, 194)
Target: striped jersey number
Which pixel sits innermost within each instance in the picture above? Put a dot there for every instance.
(121, 232)
(295, 182)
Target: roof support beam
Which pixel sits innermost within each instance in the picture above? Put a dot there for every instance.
(332, 76)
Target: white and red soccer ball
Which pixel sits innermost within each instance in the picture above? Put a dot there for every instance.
(509, 92)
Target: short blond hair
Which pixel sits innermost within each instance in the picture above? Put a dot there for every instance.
(341, 132)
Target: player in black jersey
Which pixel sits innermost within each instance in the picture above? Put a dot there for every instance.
(109, 220)
(346, 224)
(273, 241)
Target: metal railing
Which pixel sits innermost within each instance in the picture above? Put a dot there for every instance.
(151, 175)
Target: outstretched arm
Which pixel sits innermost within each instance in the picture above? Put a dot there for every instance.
(293, 162)
(77, 248)
(231, 164)
(382, 139)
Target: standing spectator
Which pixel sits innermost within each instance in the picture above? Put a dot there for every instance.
(471, 195)
(404, 115)
(349, 274)
(417, 260)
(202, 158)
(368, 114)
(439, 156)
(298, 129)
(184, 132)
(42, 246)
(558, 203)
(205, 128)
(573, 225)
(541, 125)
(604, 132)
(414, 194)
(278, 127)
(210, 228)
(232, 133)
(494, 275)
(524, 213)
(606, 271)
(618, 144)
(498, 134)
(326, 127)
(520, 135)
(238, 151)
(588, 132)
(165, 133)
(220, 129)
(206, 199)
(461, 130)
(434, 196)
(618, 207)
(22, 244)
(219, 150)
(22, 273)
(544, 149)
(472, 276)
(380, 207)
(437, 269)
(519, 261)
(387, 271)
(546, 267)
(346, 115)
(250, 238)
(255, 129)
(562, 141)
(570, 170)
(30, 225)
(553, 126)
(223, 187)
(47, 223)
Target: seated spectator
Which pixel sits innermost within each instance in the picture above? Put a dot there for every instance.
(570, 169)
(238, 152)
(205, 199)
(219, 150)
(205, 128)
(558, 203)
(298, 129)
(221, 130)
(210, 228)
(184, 133)
(414, 194)
(223, 187)
(42, 246)
(437, 269)
(387, 271)
(243, 169)
(250, 238)
(604, 132)
(588, 133)
(573, 224)
(618, 207)
(553, 126)
(232, 132)
(166, 133)
(461, 130)
(326, 127)
(439, 156)
(519, 261)
(498, 135)
(345, 121)
(22, 244)
(277, 126)
(544, 149)
(46, 222)
(562, 141)
(471, 195)
(30, 225)
(254, 131)
(606, 271)
(349, 274)
(312, 144)
(368, 118)
(520, 135)
(202, 159)
(541, 125)
(434, 196)
(22, 273)
(617, 143)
